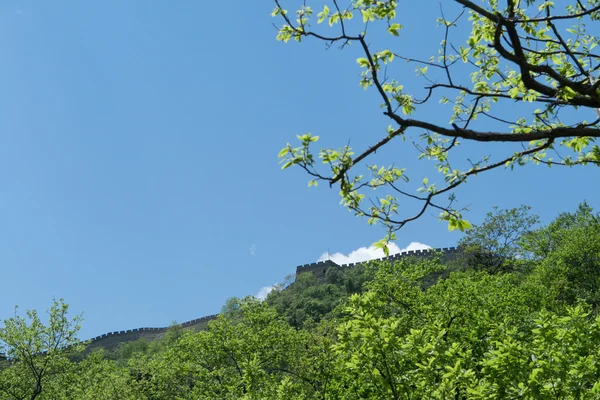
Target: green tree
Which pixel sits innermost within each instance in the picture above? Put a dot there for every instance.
(543, 241)
(496, 245)
(470, 336)
(257, 356)
(568, 250)
(556, 359)
(174, 332)
(232, 309)
(37, 352)
(312, 298)
(516, 79)
(94, 377)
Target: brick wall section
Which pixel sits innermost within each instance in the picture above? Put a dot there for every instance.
(320, 268)
(112, 340)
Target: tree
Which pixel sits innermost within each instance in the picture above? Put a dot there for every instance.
(94, 377)
(257, 356)
(37, 352)
(516, 79)
(310, 298)
(470, 336)
(496, 244)
(568, 250)
(542, 242)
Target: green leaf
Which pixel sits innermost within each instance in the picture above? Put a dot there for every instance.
(394, 28)
(367, 15)
(464, 225)
(334, 18)
(569, 93)
(452, 225)
(283, 152)
(386, 250)
(514, 92)
(363, 62)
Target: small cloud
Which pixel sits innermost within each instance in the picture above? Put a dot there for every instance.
(370, 253)
(19, 12)
(264, 292)
(415, 246)
(252, 250)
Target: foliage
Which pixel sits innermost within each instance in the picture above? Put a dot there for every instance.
(142, 346)
(496, 244)
(546, 240)
(95, 377)
(569, 253)
(37, 352)
(524, 77)
(311, 298)
(250, 358)
(401, 330)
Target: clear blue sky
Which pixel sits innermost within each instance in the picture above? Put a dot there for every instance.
(139, 176)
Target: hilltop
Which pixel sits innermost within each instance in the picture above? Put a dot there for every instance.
(113, 340)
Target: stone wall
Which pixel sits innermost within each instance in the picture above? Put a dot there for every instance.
(320, 268)
(153, 330)
(112, 340)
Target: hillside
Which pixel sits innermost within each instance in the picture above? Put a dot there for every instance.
(113, 340)
(501, 322)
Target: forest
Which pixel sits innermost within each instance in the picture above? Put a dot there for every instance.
(515, 315)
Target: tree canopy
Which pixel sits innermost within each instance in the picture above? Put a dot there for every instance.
(497, 244)
(381, 331)
(37, 353)
(526, 75)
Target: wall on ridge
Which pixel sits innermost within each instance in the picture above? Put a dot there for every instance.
(320, 268)
(112, 340)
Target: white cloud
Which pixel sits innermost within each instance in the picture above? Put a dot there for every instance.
(415, 246)
(252, 250)
(369, 253)
(263, 292)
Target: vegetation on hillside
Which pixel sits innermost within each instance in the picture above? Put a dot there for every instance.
(522, 322)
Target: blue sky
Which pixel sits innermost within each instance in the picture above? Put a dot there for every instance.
(139, 176)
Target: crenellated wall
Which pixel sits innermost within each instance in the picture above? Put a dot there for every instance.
(112, 339)
(187, 324)
(320, 268)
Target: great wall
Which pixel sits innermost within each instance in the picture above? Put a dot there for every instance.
(320, 268)
(112, 340)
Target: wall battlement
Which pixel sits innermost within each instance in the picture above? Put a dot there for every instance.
(135, 334)
(320, 268)
(153, 330)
